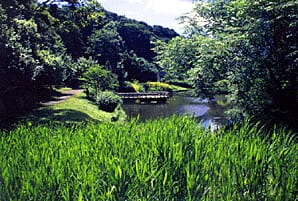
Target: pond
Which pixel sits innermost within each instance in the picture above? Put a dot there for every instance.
(209, 113)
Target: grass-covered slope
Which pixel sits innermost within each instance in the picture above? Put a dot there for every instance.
(75, 109)
(167, 159)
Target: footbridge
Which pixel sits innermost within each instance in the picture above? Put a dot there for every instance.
(146, 96)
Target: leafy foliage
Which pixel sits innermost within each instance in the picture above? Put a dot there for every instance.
(44, 44)
(138, 68)
(245, 48)
(175, 57)
(171, 159)
(138, 35)
(108, 101)
(159, 86)
(96, 78)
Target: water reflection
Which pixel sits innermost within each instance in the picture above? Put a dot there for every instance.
(210, 113)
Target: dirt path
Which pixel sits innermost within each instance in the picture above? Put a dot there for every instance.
(64, 96)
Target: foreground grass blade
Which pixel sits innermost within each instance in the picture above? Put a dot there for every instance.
(166, 159)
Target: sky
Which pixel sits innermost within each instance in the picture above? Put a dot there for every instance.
(153, 12)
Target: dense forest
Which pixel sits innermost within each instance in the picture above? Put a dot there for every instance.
(78, 44)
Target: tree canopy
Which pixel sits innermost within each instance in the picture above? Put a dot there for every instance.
(247, 49)
(43, 43)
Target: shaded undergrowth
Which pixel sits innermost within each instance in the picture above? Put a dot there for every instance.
(73, 110)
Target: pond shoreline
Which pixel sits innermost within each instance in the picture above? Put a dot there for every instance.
(209, 112)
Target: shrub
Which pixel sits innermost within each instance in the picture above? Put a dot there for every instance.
(138, 87)
(108, 101)
(159, 86)
(181, 83)
(126, 87)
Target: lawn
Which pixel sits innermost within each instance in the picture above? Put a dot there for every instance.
(75, 109)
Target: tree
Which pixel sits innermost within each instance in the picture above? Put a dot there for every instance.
(252, 47)
(77, 24)
(137, 38)
(138, 68)
(209, 73)
(19, 60)
(32, 55)
(18, 8)
(107, 46)
(18, 63)
(176, 57)
(96, 77)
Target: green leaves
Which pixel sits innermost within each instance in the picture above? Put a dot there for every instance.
(176, 57)
(108, 101)
(94, 76)
(166, 159)
(252, 44)
(106, 46)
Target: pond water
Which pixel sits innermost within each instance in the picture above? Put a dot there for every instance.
(209, 113)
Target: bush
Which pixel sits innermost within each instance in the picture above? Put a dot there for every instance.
(126, 87)
(137, 86)
(159, 86)
(181, 83)
(108, 101)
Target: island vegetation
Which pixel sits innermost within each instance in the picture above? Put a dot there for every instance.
(84, 147)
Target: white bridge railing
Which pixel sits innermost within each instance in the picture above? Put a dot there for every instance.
(145, 95)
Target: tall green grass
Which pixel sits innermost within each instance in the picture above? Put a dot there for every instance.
(166, 159)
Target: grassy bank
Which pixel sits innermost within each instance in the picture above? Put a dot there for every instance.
(167, 159)
(74, 109)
